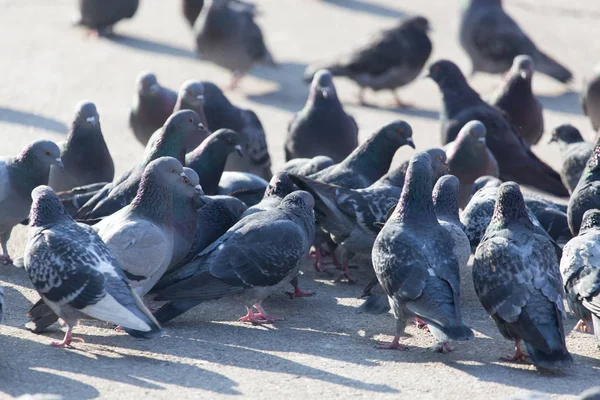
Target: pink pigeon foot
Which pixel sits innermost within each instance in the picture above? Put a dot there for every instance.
(421, 324)
(519, 356)
(394, 345)
(67, 339)
(582, 327)
(299, 293)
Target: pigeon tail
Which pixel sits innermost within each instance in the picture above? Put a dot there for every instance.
(174, 309)
(546, 65)
(375, 304)
(557, 358)
(41, 317)
(458, 332)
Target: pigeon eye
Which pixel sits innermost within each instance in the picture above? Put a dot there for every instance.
(471, 133)
(399, 132)
(172, 170)
(439, 158)
(189, 92)
(47, 153)
(228, 140)
(435, 68)
(190, 120)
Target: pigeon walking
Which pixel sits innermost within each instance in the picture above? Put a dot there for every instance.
(492, 39)
(574, 153)
(586, 195)
(76, 274)
(590, 99)
(518, 282)
(102, 15)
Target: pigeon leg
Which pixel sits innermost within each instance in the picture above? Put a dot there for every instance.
(344, 267)
(399, 103)
(367, 290)
(394, 345)
(318, 263)
(297, 291)
(582, 327)
(421, 324)
(443, 347)
(518, 356)
(67, 339)
(5, 258)
(252, 318)
(236, 77)
(266, 317)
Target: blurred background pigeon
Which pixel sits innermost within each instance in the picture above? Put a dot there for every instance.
(102, 15)
(590, 99)
(574, 153)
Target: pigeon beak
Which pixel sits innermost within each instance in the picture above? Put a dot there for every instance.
(238, 149)
(201, 127)
(410, 142)
(154, 88)
(325, 92)
(199, 190)
(446, 166)
(59, 163)
(200, 97)
(91, 120)
(481, 140)
(552, 139)
(523, 74)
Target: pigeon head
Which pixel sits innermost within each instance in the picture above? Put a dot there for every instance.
(176, 129)
(398, 132)
(439, 163)
(474, 133)
(322, 87)
(40, 155)
(147, 85)
(189, 187)
(46, 207)
(416, 204)
(566, 133)
(510, 207)
(591, 220)
(86, 115)
(522, 66)
(192, 93)
(280, 186)
(416, 23)
(445, 73)
(445, 198)
(300, 204)
(485, 181)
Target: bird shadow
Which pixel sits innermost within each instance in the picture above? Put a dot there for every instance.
(151, 46)
(291, 92)
(367, 7)
(30, 119)
(567, 102)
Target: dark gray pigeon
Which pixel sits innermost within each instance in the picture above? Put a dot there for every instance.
(227, 35)
(590, 99)
(141, 235)
(415, 264)
(515, 97)
(102, 15)
(170, 143)
(580, 270)
(307, 166)
(586, 195)
(322, 127)
(84, 154)
(253, 259)
(462, 104)
(191, 9)
(191, 97)
(391, 59)
(279, 187)
(518, 282)
(220, 113)
(492, 39)
(371, 160)
(574, 153)
(19, 175)
(152, 105)
(76, 274)
(247, 187)
(208, 159)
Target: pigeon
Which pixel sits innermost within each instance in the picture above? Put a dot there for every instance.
(141, 235)
(590, 99)
(492, 39)
(1, 303)
(84, 154)
(253, 259)
(469, 158)
(396, 176)
(322, 127)
(247, 187)
(462, 104)
(574, 153)
(102, 15)
(518, 282)
(191, 10)
(279, 187)
(19, 175)
(516, 99)
(371, 160)
(227, 35)
(414, 261)
(191, 97)
(152, 105)
(587, 192)
(170, 143)
(208, 160)
(391, 59)
(76, 274)
(307, 166)
(445, 205)
(580, 270)
(220, 113)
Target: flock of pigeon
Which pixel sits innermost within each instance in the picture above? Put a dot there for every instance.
(202, 217)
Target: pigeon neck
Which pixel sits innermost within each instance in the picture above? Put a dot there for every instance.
(591, 221)
(510, 211)
(395, 177)
(446, 205)
(28, 172)
(373, 157)
(208, 160)
(168, 144)
(415, 204)
(84, 146)
(592, 169)
(457, 94)
(153, 201)
(465, 160)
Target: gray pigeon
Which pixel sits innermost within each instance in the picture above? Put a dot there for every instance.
(84, 154)
(140, 235)
(170, 143)
(102, 15)
(371, 160)
(152, 105)
(253, 259)
(462, 104)
(580, 270)
(227, 35)
(279, 187)
(191, 9)
(396, 176)
(208, 159)
(247, 187)
(590, 99)
(19, 175)
(469, 158)
(76, 274)
(587, 192)
(307, 166)
(518, 282)
(220, 113)
(516, 99)
(391, 59)
(574, 153)
(322, 127)
(415, 264)
(191, 97)
(492, 39)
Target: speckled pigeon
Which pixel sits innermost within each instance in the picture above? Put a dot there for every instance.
(587, 192)
(307, 166)
(590, 99)
(574, 153)
(102, 15)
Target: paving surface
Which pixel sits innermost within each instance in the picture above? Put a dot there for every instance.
(323, 349)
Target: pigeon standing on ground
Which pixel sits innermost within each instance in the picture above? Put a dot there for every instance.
(226, 34)
(518, 282)
(322, 127)
(590, 99)
(392, 59)
(462, 104)
(220, 113)
(19, 175)
(76, 274)
(253, 259)
(191, 97)
(492, 39)
(102, 15)
(152, 105)
(586, 195)
(515, 98)
(307, 166)
(415, 264)
(84, 154)
(580, 269)
(574, 153)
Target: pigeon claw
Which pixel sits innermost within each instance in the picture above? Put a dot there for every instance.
(393, 345)
(519, 356)
(582, 327)
(299, 293)
(67, 340)
(260, 317)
